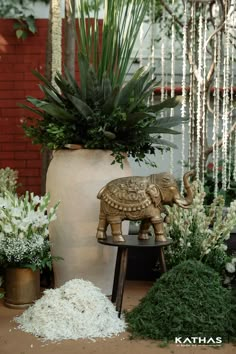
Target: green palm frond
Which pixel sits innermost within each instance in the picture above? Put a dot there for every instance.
(102, 110)
(120, 27)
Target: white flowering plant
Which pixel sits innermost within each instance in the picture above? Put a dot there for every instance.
(8, 180)
(24, 231)
(201, 233)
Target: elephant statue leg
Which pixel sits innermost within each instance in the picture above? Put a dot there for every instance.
(102, 227)
(116, 229)
(158, 229)
(144, 228)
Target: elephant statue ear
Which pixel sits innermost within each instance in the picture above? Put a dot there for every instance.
(154, 193)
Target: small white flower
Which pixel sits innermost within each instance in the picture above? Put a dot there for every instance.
(7, 228)
(230, 267)
(16, 212)
(224, 247)
(36, 199)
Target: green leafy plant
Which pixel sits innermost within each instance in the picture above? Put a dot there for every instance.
(24, 26)
(201, 232)
(187, 301)
(17, 9)
(103, 110)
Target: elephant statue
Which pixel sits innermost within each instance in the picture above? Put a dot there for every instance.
(140, 198)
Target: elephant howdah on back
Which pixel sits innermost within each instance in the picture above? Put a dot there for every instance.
(140, 198)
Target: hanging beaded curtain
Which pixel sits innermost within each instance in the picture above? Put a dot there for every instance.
(233, 34)
(184, 93)
(216, 110)
(207, 85)
(192, 96)
(209, 41)
(163, 39)
(153, 35)
(56, 36)
(172, 84)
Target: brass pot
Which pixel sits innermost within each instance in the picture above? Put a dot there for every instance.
(22, 287)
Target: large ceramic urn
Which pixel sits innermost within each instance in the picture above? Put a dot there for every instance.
(74, 178)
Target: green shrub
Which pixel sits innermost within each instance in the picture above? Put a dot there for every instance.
(187, 301)
(201, 233)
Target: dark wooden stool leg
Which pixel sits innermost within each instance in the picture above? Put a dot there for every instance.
(162, 259)
(116, 275)
(121, 281)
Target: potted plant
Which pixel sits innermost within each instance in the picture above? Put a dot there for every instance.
(24, 245)
(202, 233)
(108, 119)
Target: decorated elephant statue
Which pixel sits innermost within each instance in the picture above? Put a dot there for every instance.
(140, 198)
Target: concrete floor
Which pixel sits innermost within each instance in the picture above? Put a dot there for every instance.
(13, 341)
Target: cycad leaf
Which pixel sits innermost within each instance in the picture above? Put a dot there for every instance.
(164, 142)
(52, 96)
(64, 85)
(169, 122)
(142, 83)
(37, 111)
(72, 82)
(51, 109)
(134, 118)
(127, 90)
(111, 102)
(92, 85)
(44, 80)
(143, 96)
(81, 106)
(106, 87)
(169, 103)
(161, 130)
(83, 66)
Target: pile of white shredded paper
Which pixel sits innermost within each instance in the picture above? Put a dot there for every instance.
(76, 310)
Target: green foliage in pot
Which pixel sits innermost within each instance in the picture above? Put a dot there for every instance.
(201, 232)
(187, 301)
(103, 110)
(24, 231)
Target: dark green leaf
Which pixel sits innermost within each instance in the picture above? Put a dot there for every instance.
(81, 106)
(165, 143)
(161, 130)
(169, 103)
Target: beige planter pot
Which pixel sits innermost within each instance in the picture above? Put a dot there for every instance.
(22, 287)
(74, 177)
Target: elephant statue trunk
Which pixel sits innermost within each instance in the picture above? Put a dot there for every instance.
(187, 201)
(140, 198)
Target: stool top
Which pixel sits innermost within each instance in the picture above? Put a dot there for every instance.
(133, 241)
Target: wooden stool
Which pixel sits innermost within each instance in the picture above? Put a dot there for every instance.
(122, 258)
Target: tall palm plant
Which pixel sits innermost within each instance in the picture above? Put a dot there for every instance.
(102, 110)
(109, 47)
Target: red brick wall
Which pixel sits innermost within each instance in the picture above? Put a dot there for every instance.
(17, 59)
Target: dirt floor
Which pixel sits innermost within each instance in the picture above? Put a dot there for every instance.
(14, 341)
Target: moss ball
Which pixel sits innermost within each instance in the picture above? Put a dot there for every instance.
(189, 300)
